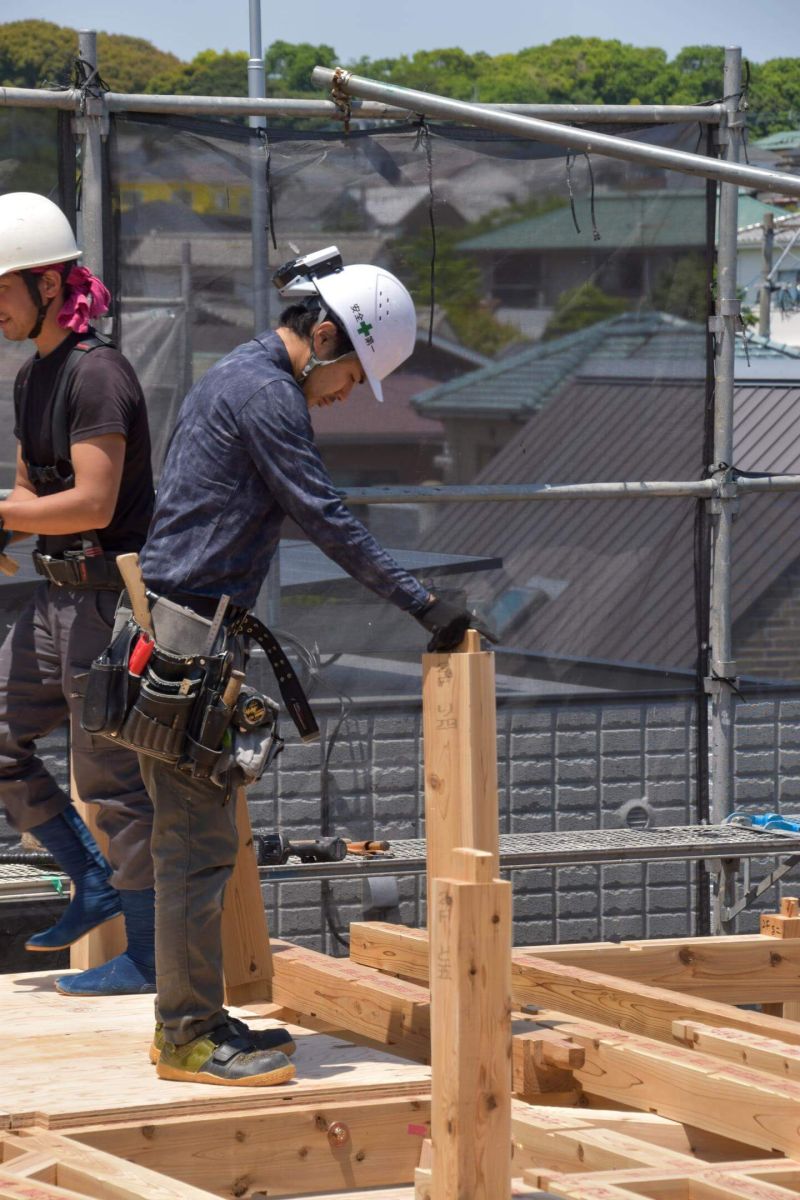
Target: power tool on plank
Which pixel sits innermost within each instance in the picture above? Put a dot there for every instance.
(273, 849)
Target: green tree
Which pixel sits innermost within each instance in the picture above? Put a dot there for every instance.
(698, 75)
(775, 96)
(459, 288)
(208, 74)
(682, 288)
(577, 70)
(288, 67)
(129, 63)
(33, 53)
(580, 306)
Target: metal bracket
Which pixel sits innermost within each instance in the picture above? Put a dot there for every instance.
(713, 684)
(82, 125)
(752, 893)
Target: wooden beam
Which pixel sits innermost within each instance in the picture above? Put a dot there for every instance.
(85, 1171)
(625, 1005)
(471, 1031)
(749, 969)
(460, 752)
(316, 1146)
(542, 1068)
(246, 953)
(389, 1011)
(736, 1045)
(722, 1181)
(108, 939)
(549, 981)
(684, 1085)
(785, 924)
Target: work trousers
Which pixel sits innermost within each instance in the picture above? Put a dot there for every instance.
(54, 640)
(194, 850)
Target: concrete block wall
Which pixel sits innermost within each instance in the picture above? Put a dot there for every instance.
(575, 764)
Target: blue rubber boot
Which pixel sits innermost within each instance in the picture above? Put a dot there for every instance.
(131, 973)
(78, 855)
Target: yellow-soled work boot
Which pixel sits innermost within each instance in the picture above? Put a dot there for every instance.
(259, 1039)
(220, 1057)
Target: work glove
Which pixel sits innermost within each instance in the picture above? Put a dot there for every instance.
(448, 623)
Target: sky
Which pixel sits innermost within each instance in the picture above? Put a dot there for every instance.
(763, 28)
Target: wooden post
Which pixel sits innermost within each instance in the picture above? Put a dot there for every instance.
(470, 924)
(785, 924)
(246, 950)
(460, 736)
(108, 940)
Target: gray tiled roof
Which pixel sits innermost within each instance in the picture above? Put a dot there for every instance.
(525, 381)
(619, 581)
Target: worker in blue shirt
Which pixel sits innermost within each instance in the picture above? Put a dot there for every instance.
(243, 458)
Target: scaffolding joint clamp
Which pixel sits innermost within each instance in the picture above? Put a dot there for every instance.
(721, 673)
(95, 110)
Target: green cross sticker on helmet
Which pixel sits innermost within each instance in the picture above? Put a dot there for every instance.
(377, 314)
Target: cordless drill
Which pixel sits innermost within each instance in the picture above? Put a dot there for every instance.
(272, 849)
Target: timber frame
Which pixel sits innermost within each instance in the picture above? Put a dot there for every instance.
(614, 1071)
(598, 1071)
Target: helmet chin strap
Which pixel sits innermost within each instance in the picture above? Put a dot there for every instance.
(315, 361)
(32, 284)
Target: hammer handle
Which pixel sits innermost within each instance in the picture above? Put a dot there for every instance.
(133, 579)
(8, 565)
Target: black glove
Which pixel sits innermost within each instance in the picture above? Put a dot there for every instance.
(448, 623)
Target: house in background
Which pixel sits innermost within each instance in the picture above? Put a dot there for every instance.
(785, 298)
(613, 582)
(483, 410)
(529, 263)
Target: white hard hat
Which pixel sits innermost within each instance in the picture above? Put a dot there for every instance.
(377, 314)
(33, 233)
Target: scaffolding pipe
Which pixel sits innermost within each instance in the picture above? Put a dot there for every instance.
(256, 86)
(614, 146)
(91, 127)
(239, 106)
(765, 291)
(532, 492)
(721, 680)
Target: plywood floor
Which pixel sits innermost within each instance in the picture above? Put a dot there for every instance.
(76, 1060)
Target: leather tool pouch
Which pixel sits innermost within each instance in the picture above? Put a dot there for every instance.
(166, 713)
(108, 686)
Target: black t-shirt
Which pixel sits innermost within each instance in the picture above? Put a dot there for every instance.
(103, 397)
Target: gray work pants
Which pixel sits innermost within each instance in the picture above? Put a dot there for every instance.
(194, 851)
(55, 639)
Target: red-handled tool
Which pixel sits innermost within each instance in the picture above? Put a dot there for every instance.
(140, 655)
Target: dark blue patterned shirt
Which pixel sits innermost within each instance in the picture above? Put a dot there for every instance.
(242, 458)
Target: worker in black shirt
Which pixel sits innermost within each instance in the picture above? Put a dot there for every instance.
(84, 486)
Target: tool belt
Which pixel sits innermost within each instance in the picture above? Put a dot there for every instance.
(171, 698)
(79, 570)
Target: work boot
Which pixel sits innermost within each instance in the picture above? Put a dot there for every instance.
(132, 972)
(220, 1057)
(78, 855)
(259, 1039)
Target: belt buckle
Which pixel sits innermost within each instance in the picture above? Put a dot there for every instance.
(43, 566)
(75, 562)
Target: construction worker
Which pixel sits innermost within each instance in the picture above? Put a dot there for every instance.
(84, 486)
(242, 458)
